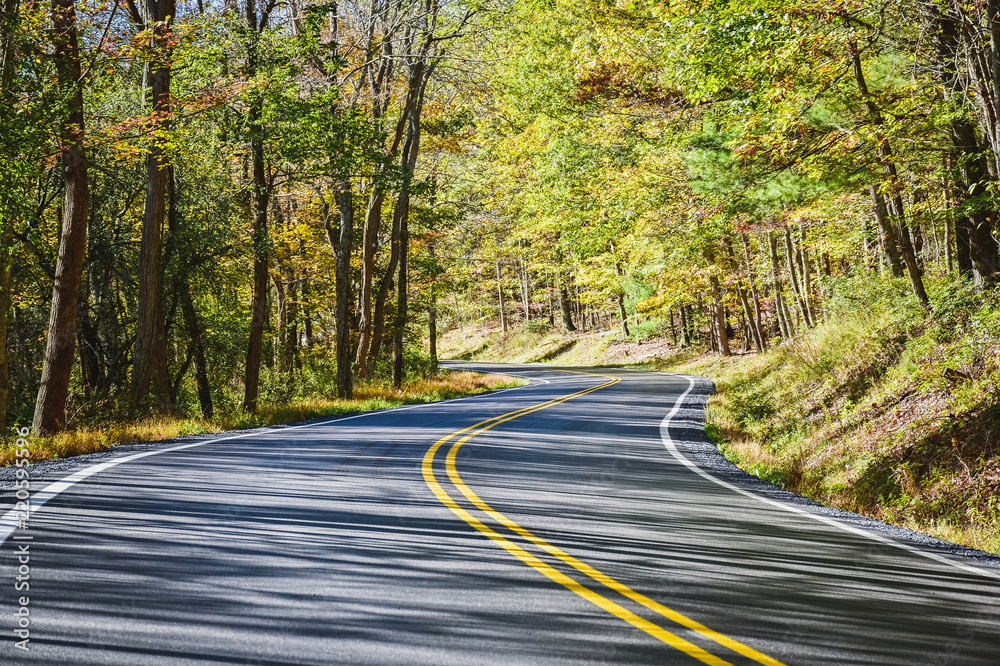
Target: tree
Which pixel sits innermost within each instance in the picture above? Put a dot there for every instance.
(149, 366)
(61, 340)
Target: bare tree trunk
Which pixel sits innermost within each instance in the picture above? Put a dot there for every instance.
(748, 313)
(261, 260)
(400, 216)
(307, 317)
(344, 248)
(793, 278)
(292, 332)
(6, 251)
(373, 220)
(525, 290)
(887, 233)
(912, 268)
(564, 305)
(949, 254)
(503, 314)
(149, 365)
(8, 23)
(432, 331)
(550, 288)
(719, 316)
(398, 370)
(60, 345)
(281, 305)
(806, 275)
(621, 314)
(819, 309)
(757, 320)
(784, 322)
(200, 363)
(410, 154)
(993, 22)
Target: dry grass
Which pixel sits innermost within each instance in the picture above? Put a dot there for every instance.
(368, 397)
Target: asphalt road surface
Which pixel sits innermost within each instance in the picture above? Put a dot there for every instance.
(581, 520)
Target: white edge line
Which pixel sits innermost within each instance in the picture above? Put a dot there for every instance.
(492, 372)
(672, 448)
(10, 520)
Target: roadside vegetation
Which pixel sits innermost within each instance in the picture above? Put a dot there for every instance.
(104, 435)
(880, 410)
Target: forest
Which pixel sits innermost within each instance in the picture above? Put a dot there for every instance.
(206, 208)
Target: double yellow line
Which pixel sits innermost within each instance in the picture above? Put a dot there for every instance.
(460, 437)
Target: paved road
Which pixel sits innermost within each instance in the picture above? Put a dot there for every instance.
(570, 531)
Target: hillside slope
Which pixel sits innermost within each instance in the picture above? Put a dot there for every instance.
(880, 410)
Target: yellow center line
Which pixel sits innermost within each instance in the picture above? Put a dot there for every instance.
(565, 557)
(555, 575)
(532, 561)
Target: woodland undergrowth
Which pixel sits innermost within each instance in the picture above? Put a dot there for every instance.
(880, 410)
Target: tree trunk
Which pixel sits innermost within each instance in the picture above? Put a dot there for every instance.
(887, 233)
(748, 313)
(758, 319)
(503, 314)
(400, 219)
(344, 248)
(411, 152)
(949, 254)
(977, 253)
(784, 322)
(525, 290)
(258, 305)
(433, 331)
(887, 159)
(8, 23)
(419, 73)
(564, 305)
(149, 365)
(550, 288)
(719, 316)
(50, 406)
(993, 23)
(793, 278)
(6, 252)
(912, 268)
(621, 314)
(401, 298)
(292, 332)
(281, 305)
(803, 255)
(373, 221)
(200, 364)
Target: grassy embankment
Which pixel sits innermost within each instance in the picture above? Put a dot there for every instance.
(103, 436)
(880, 410)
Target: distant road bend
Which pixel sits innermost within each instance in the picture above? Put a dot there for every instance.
(581, 520)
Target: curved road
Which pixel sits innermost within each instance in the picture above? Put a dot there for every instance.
(582, 519)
